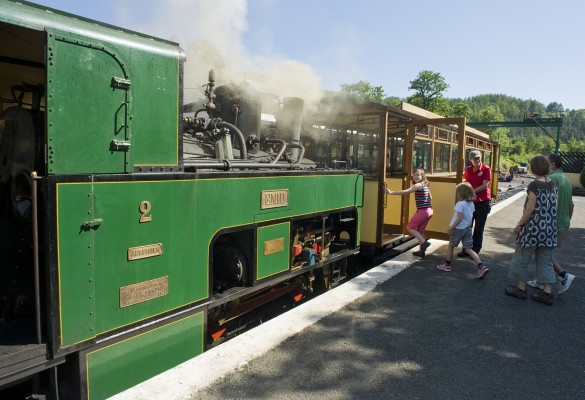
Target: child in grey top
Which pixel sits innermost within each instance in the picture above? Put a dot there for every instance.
(460, 229)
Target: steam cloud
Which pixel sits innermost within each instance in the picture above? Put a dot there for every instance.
(211, 34)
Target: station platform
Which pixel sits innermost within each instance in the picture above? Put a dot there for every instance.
(406, 330)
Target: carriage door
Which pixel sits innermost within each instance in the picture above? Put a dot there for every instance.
(394, 180)
(88, 102)
(437, 147)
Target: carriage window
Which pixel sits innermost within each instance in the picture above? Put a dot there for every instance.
(454, 158)
(367, 153)
(443, 134)
(487, 158)
(441, 163)
(364, 130)
(421, 157)
(423, 130)
(395, 155)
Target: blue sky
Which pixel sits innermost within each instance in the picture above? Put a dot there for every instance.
(520, 48)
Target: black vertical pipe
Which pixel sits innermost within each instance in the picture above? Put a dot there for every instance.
(35, 238)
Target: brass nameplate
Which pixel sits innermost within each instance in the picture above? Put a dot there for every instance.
(274, 198)
(144, 291)
(150, 250)
(273, 246)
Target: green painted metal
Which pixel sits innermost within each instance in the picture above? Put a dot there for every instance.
(81, 127)
(100, 87)
(93, 123)
(115, 368)
(76, 254)
(185, 217)
(37, 16)
(271, 263)
(546, 122)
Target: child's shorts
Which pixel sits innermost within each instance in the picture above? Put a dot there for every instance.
(420, 219)
(461, 235)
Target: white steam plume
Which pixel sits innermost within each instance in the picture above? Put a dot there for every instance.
(211, 34)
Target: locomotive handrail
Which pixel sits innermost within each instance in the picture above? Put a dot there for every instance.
(35, 243)
(226, 165)
(362, 180)
(384, 187)
(300, 157)
(280, 152)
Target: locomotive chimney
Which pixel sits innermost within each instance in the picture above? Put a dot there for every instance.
(289, 122)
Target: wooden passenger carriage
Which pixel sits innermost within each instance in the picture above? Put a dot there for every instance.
(388, 143)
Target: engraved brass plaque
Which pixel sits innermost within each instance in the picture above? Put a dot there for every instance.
(273, 246)
(149, 250)
(144, 291)
(274, 198)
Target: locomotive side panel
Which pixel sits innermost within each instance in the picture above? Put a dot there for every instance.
(127, 254)
(117, 367)
(132, 250)
(94, 90)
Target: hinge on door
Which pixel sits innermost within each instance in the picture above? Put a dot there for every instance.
(92, 223)
(120, 145)
(120, 83)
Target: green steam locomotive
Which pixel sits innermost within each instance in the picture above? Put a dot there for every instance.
(134, 234)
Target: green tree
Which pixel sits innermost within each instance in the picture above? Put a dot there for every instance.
(493, 114)
(363, 91)
(555, 108)
(392, 101)
(460, 109)
(534, 144)
(429, 87)
(573, 145)
(518, 149)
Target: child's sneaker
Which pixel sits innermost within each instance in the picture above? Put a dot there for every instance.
(425, 245)
(444, 267)
(481, 272)
(566, 282)
(533, 283)
(419, 253)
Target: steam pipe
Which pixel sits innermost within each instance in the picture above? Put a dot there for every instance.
(200, 111)
(298, 146)
(239, 135)
(281, 151)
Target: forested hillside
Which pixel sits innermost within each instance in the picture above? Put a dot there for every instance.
(517, 144)
(514, 109)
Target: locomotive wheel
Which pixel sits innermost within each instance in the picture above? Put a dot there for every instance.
(229, 265)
